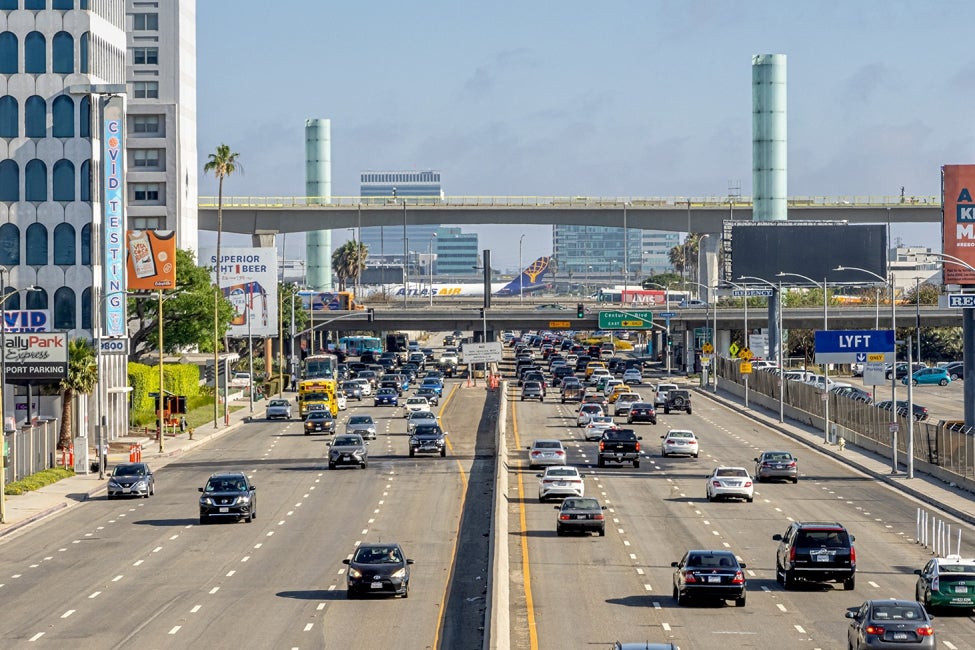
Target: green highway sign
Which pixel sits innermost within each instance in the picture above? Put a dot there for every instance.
(636, 319)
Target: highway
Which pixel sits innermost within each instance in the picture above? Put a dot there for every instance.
(592, 591)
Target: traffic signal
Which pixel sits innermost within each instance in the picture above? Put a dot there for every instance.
(209, 375)
(580, 310)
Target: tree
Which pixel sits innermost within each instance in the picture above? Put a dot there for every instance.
(82, 379)
(348, 261)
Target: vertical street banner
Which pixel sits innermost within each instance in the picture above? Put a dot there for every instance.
(113, 210)
(249, 280)
(958, 222)
(151, 259)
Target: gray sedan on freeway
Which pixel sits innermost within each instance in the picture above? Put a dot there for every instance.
(364, 425)
(776, 465)
(278, 408)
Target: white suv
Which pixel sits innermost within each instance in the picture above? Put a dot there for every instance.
(661, 397)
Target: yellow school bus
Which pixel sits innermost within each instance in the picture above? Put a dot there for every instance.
(317, 391)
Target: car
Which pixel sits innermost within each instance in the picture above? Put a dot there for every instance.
(920, 412)
(560, 481)
(955, 370)
(854, 393)
(643, 645)
(428, 438)
(709, 574)
(393, 383)
(660, 399)
(632, 376)
(380, 568)
(348, 449)
(571, 391)
(131, 479)
(815, 552)
(319, 421)
(546, 452)
(386, 397)
(587, 412)
(776, 464)
(937, 376)
(365, 386)
(619, 446)
(551, 306)
(623, 402)
(228, 495)
(598, 424)
(609, 386)
(889, 623)
(428, 393)
(580, 515)
(341, 401)
(434, 383)
(597, 399)
(641, 412)
(278, 408)
(363, 425)
(947, 582)
(414, 404)
(692, 304)
(352, 390)
(900, 369)
(730, 483)
(418, 418)
(679, 442)
(677, 400)
(532, 390)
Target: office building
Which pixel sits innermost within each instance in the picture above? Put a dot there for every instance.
(656, 247)
(597, 252)
(456, 253)
(386, 242)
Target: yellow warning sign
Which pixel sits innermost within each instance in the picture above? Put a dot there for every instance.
(876, 357)
(707, 348)
(745, 354)
(745, 368)
(733, 349)
(559, 325)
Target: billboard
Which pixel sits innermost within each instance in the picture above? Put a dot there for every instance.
(27, 320)
(36, 356)
(958, 222)
(810, 248)
(249, 279)
(113, 209)
(150, 259)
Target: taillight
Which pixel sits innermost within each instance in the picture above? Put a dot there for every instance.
(689, 577)
(638, 446)
(601, 445)
(565, 517)
(739, 578)
(925, 630)
(671, 442)
(560, 453)
(792, 554)
(936, 584)
(875, 629)
(748, 483)
(598, 517)
(853, 556)
(792, 464)
(716, 483)
(765, 463)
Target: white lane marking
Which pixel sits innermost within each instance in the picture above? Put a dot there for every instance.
(750, 572)
(174, 537)
(214, 590)
(665, 626)
(873, 584)
(309, 626)
(321, 606)
(632, 556)
(639, 571)
(36, 636)
(764, 588)
(258, 545)
(231, 573)
(365, 531)
(245, 558)
(117, 578)
(195, 609)
(95, 594)
(269, 533)
(157, 549)
(647, 587)
(175, 629)
(626, 542)
(281, 523)
(799, 629)
(714, 532)
(781, 607)
(949, 645)
(726, 544)
(291, 512)
(67, 613)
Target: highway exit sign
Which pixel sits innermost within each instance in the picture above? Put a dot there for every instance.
(635, 319)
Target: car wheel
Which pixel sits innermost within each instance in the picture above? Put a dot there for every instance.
(636, 464)
(778, 574)
(364, 465)
(678, 402)
(350, 594)
(709, 497)
(740, 602)
(443, 452)
(600, 462)
(250, 517)
(795, 480)
(331, 465)
(759, 479)
(850, 583)
(688, 411)
(653, 421)
(750, 499)
(954, 377)
(602, 532)
(306, 433)
(914, 382)
(204, 520)
(943, 382)
(406, 591)
(666, 411)
(696, 455)
(788, 580)
(680, 598)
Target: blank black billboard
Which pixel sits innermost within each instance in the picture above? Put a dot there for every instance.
(765, 249)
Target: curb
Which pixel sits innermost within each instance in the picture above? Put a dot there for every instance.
(40, 515)
(961, 515)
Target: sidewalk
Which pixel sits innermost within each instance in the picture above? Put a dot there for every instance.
(946, 497)
(24, 509)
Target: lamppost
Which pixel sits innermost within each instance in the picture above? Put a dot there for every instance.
(588, 271)
(355, 273)
(430, 265)
(823, 286)
(744, 291)
(712, 338)
(778, 353)
(521, 283)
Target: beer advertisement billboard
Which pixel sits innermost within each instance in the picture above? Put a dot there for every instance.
(249, 280)
(958, 223)
(150, 259)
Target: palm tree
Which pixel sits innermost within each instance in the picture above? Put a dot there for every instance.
(348, 261)
(82, 378)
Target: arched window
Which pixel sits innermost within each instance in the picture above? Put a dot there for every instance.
(64, 309)
(35, 117)
(84, 117)
(8, 53)
(62, 114)
(35, 181)
(63, 5)
(86, 309)
(62, 53)
(64, 180)
(13, 302)
(8, 4)
(83, 53)
(37, 245)
(64, 245)
(35, 52)
(8, 117)
(36, 299)
(9, 245)
(86, 180)
(86, 245)
(9, 180)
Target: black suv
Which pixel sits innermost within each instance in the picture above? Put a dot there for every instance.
(815, 552)
(229, 495)
(428, 438)
(678, 400)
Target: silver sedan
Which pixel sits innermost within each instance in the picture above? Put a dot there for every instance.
(776, 465)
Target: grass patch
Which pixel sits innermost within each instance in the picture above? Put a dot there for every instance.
(37, 481)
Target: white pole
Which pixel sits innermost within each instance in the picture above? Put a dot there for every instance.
(917, 528)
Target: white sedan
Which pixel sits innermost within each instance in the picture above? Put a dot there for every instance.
(415, 404)
(343, 402)
(632, 376)
(546, 452)
(679, 442)
(587, 412)
(598, 424)
(560, 482)
(730, 483)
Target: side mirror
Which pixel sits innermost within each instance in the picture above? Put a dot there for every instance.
(558, 507)
(538, 475)
(776, 537)
(603, 507)
(409, 561)
(742, 565)
(853, 538)
(639, 437)
(755, 459)
(674, 564)
(253, 487)
(346, 561)
(200, 489)
(851, 614)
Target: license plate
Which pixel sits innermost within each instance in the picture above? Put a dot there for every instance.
(581, 516)
(376, 585)
(224, 509)
(714, 578)
(126, 490)
(961, 589)
(561, 483)
(900, 636)
(822, 558)
(345, 458)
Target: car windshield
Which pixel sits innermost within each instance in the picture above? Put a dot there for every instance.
(778, 456)
(580, 504)
(562, 471)
(386, 391)
(731, 472)
(897, 612)
(711, 560)
(378, 555)
(825, 538)
(618, 434)
(278, 402)
(680, 434)
(129, 470)
(360, 419)
(427, 430)
(225, 484)
(548, 444)
(344, 441)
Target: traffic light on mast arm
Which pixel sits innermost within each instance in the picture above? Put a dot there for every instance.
(580, 310)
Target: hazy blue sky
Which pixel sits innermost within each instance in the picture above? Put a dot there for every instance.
(630, 98)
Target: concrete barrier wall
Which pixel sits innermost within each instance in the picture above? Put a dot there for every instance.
(497, 629)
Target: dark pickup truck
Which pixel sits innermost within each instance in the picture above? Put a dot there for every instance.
(619, 446)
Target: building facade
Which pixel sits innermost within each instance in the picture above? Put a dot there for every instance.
(598, 252)
(386, 242)
(456, 253)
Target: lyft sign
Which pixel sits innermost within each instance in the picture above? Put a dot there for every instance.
(845, 346)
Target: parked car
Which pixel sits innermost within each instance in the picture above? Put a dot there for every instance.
(348, 449)
(278, 408)
(889, 623)
(920, 412)
(228, 495)
(815, 552)
(131, 480)
(776, 464)
(546, 452)
(709, 574)
(901, 369)
(730, 483)
(947, 582)
(378, 569)
(956, 370)
(853, 392)
(580, 515)
(937, 376)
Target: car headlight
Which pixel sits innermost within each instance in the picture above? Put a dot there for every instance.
(399, 574)
(354, 573)
(140, 484)
(113, 483)
(243, 500)
(206, 501)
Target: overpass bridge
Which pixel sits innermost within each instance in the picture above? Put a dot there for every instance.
(271, 215)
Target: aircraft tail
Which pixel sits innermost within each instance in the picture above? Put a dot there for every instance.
(529, 279)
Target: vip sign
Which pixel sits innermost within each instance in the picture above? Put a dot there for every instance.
(958, 229)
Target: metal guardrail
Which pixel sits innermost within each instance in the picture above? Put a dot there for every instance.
(32, 449)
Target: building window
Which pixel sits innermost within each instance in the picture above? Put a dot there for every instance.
(35, 117)
(9, 245)
(147, 223)
(8, 53)
(64, 309)
(36, 299)
(146, 158)
(146, 193)
(9, 125)
(86, 245)
(63, 5)
(64, 180)
(84, 117)
(11, 299)
(146, 55)
(36, 245)
(83, 53)
(62, 114)
(145, 22)
(62, 54)
(64, 245)
(35, 5)
(9, 180)
(35, 53)
(148, 124)
(86, 180)
(145, 89)
(8, 5)
(86, 309)
(35, 181)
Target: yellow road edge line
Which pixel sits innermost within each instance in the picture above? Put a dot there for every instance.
(526, 569)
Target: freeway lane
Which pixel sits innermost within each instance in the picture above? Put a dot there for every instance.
(106, 574)
(621, 584)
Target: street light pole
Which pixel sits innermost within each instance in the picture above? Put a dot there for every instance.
(667, 301)
(745, 325)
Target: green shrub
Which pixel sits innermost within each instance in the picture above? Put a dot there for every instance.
(37, 481)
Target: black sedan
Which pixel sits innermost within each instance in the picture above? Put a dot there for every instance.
(582, 515)
(641, 412)
(378, 569)
(709, 574)
(319, 421)
(920, 412)
(890, 624)
(228, 496)
(131, 479)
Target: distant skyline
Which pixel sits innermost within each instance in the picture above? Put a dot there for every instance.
(631, 98)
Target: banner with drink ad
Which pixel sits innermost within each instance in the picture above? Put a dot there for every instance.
(150, 259)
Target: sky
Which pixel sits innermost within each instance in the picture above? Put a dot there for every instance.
(621, 99)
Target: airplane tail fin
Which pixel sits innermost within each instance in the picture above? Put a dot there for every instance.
(529, 279)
